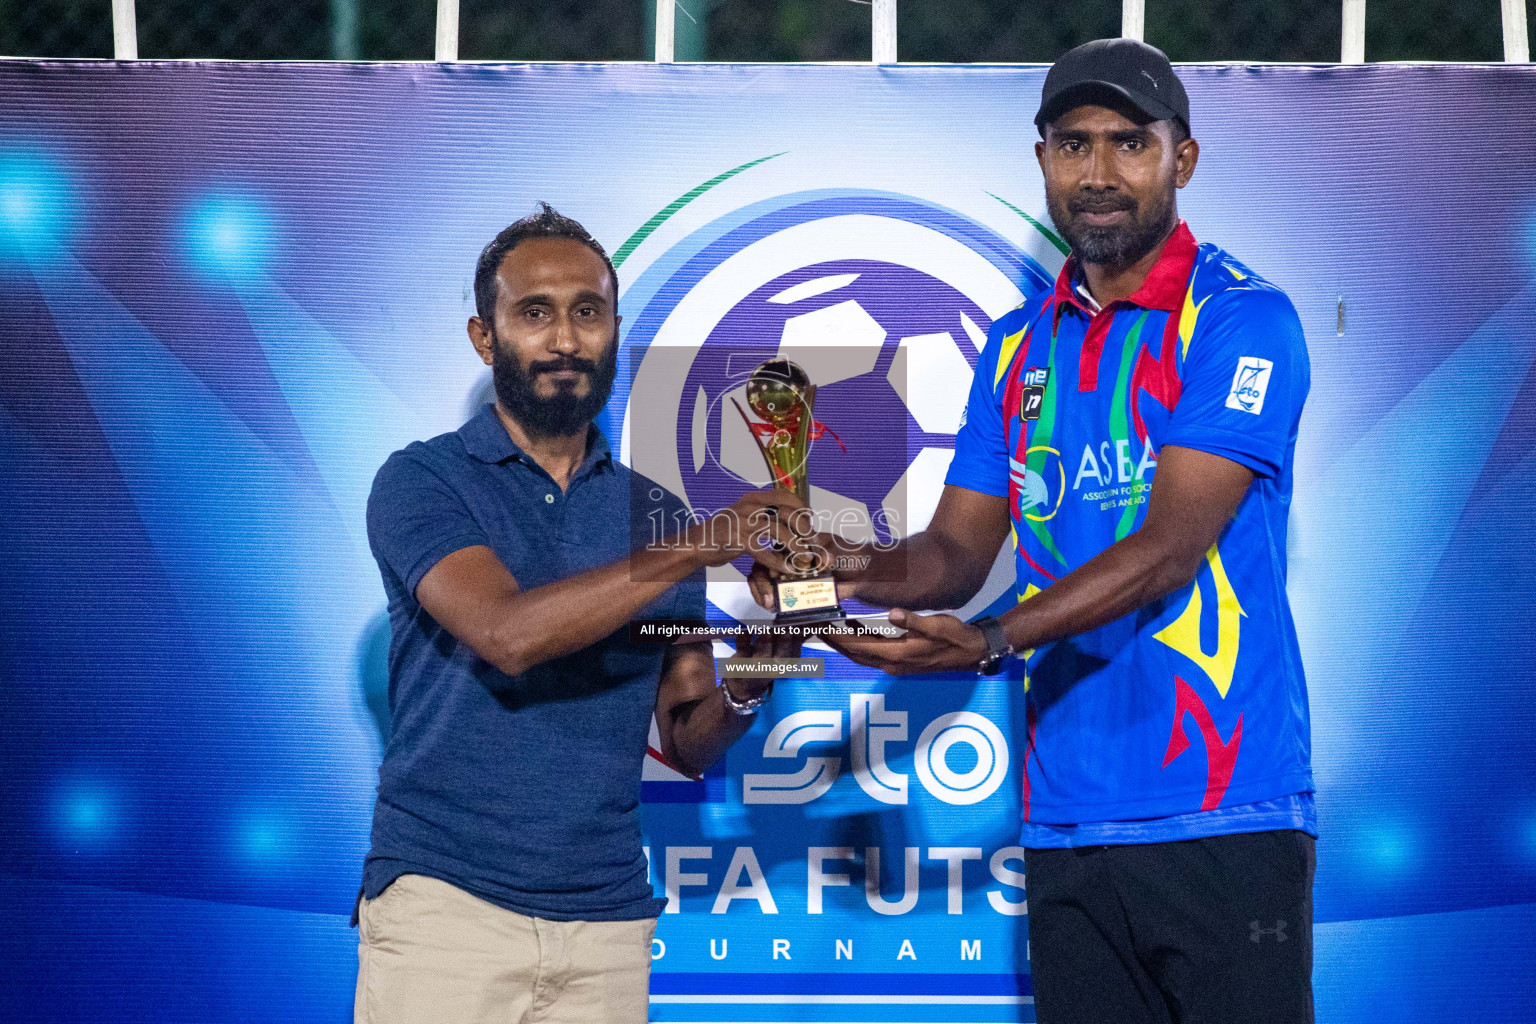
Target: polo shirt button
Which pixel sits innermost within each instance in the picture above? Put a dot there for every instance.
(549, 499)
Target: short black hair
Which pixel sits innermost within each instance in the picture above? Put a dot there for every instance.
(546, 223)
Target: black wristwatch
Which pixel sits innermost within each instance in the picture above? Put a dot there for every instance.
(998, 647)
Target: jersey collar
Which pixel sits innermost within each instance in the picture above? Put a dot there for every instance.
(1163, 289)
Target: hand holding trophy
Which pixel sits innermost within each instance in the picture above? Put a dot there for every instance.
(782, 396)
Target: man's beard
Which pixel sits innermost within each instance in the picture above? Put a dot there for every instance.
(1112, 246)
(564, 413)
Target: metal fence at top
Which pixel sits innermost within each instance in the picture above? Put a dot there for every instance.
(737, 30)
(327, 29)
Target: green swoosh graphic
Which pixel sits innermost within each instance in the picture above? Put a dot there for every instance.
(1119, 425)
(633, 241)
(1042, 438)
(1066, 250)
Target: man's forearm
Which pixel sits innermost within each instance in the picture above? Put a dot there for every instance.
(923, 571)
(706, 730)
(536, 625)
(1123, 578)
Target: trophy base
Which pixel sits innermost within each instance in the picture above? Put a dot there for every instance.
(807, 601)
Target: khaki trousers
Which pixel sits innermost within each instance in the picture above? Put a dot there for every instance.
(430, 953)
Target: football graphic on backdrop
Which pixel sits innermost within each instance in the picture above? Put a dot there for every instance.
(891, 382)
(886, 314)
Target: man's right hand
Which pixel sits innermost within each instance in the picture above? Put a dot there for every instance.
(760, 523)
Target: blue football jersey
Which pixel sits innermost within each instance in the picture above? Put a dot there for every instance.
(1196, 704)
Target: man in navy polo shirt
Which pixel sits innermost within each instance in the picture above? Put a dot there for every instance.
(506, 879)
(1135, 430)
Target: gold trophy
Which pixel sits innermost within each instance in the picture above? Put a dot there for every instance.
(784, 399)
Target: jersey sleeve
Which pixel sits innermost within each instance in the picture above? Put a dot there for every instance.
(981, 446)
(1245, 380)
(415, 519)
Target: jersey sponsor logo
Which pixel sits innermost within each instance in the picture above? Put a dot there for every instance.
(1031, 398)
(1032, 395)
(1112, 464)
(1110, 475)
(1249, 384)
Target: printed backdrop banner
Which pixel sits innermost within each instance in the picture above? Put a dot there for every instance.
(229, 291)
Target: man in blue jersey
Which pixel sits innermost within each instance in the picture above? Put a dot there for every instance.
(1135, 429)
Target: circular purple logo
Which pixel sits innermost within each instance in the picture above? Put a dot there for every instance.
(890, 350)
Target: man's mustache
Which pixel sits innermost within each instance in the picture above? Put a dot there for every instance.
(566, 364)
(1107, 202)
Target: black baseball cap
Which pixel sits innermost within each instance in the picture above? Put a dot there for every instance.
(1114, 72)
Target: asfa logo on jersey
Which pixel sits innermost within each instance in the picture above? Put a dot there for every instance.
(1033, 487)
(1112, 465)
(1032, 396)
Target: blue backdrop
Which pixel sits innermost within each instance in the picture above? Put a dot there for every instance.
(228, 291)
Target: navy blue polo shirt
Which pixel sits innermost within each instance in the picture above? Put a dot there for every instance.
(523, 790)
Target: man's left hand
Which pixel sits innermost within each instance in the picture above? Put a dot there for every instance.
(933, 643)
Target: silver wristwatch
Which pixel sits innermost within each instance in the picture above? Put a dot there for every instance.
(744, 707)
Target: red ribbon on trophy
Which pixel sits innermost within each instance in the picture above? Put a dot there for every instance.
(818, 428)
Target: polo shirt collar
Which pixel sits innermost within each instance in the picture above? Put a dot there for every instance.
(1164, 287)
(486, 439)
(598, 452)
